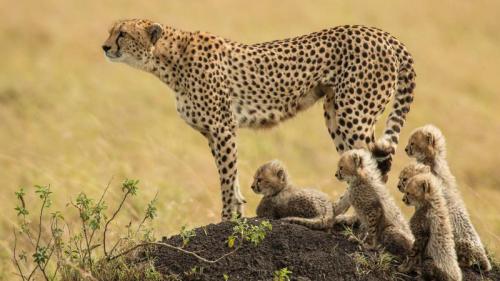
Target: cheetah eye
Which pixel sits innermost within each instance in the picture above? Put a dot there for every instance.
(122, 34)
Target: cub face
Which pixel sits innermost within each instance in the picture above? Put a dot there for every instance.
(421, 145)
(130, 41)
(270, 179)
(418, 189)
(409, 172)
(349, 166)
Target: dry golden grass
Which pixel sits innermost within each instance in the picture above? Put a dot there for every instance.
(71, 119)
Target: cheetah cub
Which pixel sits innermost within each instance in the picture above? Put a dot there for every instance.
(409, 172)
(427, 144)
(433, 250)
(282, 200)
(374, 207)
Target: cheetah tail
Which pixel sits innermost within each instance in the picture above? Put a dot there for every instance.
(385, 147)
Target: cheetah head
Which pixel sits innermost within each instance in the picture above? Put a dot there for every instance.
(132, 41)
(270, 178)
(419, 189)
(351, 165)
(425, 143)
(409, 172)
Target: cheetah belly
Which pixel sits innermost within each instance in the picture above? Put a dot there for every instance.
(271, 110)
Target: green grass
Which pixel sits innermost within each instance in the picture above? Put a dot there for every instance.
(73, 120)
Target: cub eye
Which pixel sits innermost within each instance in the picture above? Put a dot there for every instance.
(122, 34)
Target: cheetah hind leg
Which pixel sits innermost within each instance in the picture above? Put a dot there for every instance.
(317, 223)
(396, 242)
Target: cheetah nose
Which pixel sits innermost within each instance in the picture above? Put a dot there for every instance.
(337, 174)
(106, 48)
(407, 150)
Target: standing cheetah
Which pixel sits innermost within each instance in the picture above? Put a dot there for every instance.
(222, 85)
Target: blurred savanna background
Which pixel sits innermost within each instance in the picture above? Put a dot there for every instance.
(72, 120)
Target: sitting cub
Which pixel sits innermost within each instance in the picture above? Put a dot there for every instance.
(427, 145)
(282, 200)
(433, 251)
(372, 203)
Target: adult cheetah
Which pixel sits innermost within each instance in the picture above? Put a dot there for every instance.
(222, 85)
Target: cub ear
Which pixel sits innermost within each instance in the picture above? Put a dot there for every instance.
(427, 169)
(155, 32)
(430, 138)
(358, 161)
(281, 175)
(426, 186)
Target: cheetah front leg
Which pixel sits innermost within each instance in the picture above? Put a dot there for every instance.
(222, 142)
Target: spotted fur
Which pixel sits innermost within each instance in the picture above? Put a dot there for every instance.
(222, 85)
(428, 145)
(282, 200)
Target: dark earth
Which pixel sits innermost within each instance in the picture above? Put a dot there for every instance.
(310, 255)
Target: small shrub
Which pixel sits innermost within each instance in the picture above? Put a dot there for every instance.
(186, 235)
(282, 275)
(82, 253)
(248, 232)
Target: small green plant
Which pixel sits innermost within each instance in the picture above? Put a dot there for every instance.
(186, 235)
(379, 261)
(225, 276)
(248, 232)
(282, 275)
(53, 251)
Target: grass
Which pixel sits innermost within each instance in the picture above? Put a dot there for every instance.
(73, 120)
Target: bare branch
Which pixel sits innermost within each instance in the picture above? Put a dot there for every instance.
(16, 262)
(174, 248)
(99, 202)
(110, 220)
(145, 216)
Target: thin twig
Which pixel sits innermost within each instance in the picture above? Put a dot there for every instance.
(145, 216)
(111, 219)
(174, 248)
(87, 243)
(99, 202)
(39, 236)
(116, 245)
(48, 259)
(16, 262)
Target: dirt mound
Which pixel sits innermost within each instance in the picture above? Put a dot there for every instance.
(310, 255)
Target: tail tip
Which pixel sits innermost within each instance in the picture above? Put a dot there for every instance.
(382, 152)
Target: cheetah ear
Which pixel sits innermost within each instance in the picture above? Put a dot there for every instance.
(155, 32)
(281, 175)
